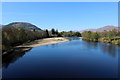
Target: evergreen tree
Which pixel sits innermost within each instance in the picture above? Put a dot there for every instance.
(56, 32)
(53, 31)
(47, 33)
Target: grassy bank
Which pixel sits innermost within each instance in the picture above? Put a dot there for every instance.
(115, 41)
(112, 37)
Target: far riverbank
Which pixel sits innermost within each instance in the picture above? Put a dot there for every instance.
(40, 42)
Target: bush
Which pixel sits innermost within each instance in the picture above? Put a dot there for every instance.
(106, 36)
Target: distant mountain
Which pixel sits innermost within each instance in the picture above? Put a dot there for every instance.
(102, 29)
(23, 25)
(106, 28)
(88, 30)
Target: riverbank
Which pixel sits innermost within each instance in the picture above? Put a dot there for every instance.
(40, 42)
(45, 41)
(115, 40)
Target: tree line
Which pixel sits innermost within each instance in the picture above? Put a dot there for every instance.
(112, 36)
(70, 34)
(12, 36)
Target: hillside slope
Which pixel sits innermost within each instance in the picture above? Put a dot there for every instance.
(23, 25)
(102, 29)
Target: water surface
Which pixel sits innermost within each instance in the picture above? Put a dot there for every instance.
(73, 59)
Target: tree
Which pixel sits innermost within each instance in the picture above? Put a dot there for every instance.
(70, 31)
(53, 31)
(89, 35)
(95, 36)
(77, 34)
(56, 32)
(12, 36)
(47, 33)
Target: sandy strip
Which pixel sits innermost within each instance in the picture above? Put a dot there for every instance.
(45, 41)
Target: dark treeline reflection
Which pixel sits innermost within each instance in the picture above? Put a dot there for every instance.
(106, 48)
(109, 49)
(13, 56)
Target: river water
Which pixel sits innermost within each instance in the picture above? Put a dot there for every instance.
(73, 59)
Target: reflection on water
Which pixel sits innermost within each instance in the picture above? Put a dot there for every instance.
(106, 48)
(73, 38)
(73, 59)
(13, 56)
(111, 50)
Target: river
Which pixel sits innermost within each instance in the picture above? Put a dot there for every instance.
(73, 59)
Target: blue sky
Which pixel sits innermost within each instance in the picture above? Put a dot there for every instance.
(60, 0)
(62, 15)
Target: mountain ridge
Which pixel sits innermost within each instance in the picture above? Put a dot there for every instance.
(24, 25)
(102, 29)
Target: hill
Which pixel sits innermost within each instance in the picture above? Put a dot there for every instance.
(102, 29)
(23, 25)
(106, 28)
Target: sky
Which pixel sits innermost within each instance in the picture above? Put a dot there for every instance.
(60, 0)
(61, 15)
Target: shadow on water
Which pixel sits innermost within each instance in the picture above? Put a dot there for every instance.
(13, 56)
